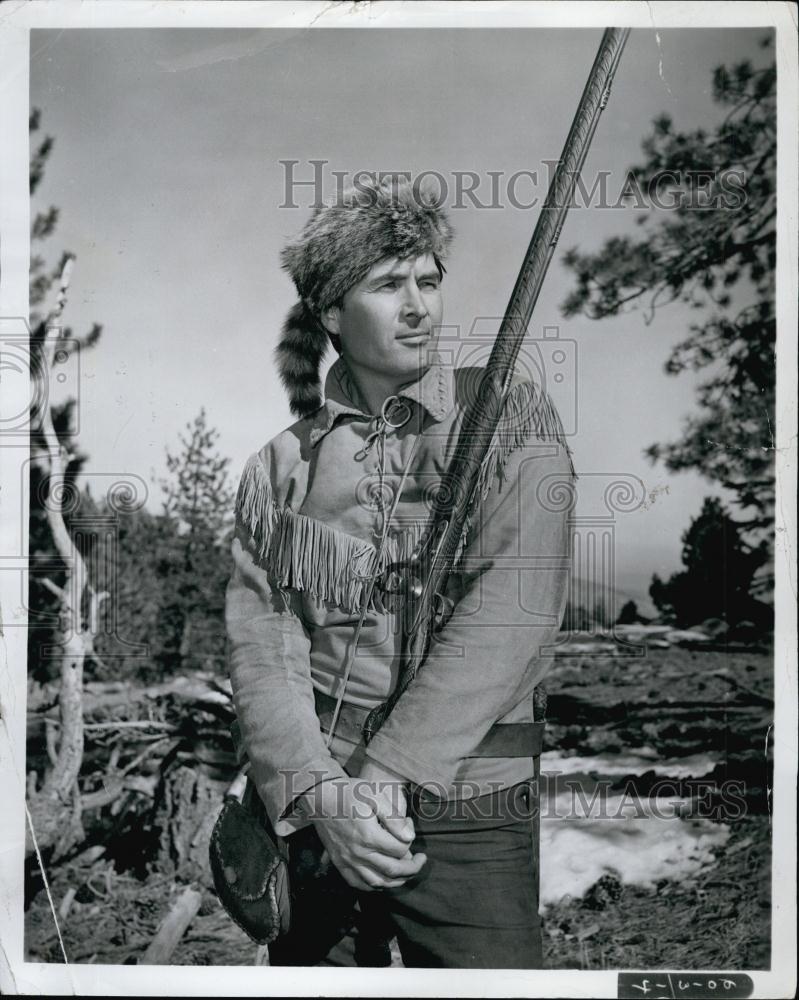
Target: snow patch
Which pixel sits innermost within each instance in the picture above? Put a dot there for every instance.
(641, 849)
(636, 761)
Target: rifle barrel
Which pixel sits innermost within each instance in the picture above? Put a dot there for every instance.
(482, 417)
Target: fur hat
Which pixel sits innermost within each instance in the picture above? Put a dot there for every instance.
(339, 244)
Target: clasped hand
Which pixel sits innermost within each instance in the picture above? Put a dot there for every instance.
(364, 826)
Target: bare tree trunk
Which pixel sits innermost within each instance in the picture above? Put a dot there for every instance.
(55, 807)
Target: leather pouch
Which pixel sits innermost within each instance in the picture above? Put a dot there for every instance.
(250, 871)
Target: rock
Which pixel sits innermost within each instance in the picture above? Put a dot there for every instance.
(715, 627)
(606, 891)
(745, 631)
(686, 635)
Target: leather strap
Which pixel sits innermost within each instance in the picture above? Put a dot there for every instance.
(511, 739)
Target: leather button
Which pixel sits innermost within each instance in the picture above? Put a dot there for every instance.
(230, 874)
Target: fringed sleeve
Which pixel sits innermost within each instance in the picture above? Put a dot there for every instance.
(528, 412)
(305, 554)
(255, 505)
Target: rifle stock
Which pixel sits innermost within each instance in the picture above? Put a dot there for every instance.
(455, 498)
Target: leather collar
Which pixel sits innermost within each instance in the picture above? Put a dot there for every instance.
(432, 391)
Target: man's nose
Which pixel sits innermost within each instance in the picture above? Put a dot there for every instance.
(414, 307)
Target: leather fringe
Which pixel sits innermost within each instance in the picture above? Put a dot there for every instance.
(255, 504)
(527, 412)
(302, 553)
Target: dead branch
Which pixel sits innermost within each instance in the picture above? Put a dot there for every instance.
(66, 903)
(120, 724)
(139, 759)
(98, 696)
(89, 856)
(132, 724)
(53, 588)
(94, 612)
(172, 928)
(50, 740)
(115, 786)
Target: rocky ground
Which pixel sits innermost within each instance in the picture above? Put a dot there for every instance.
(720, 920)
(676, 702)
(683, 704)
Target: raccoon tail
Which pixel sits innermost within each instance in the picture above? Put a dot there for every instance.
(303, 344)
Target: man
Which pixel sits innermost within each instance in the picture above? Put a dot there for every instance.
(429, 828)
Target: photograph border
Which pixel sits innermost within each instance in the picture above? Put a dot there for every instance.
(16, 22)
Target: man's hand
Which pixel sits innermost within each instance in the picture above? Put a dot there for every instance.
(390, 800)
(363, 827)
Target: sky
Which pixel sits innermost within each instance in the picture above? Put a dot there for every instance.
(167, 172)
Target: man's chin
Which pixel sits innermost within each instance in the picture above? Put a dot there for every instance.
(409, 375)
(416, 355)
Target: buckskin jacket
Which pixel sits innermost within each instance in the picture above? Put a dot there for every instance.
(308, 518)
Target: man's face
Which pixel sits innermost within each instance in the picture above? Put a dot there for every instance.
(389, 322)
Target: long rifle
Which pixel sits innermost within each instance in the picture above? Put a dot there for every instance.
(427, 576)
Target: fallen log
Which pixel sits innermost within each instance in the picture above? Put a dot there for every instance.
(172, 928)
(750, 693)
(198, 690)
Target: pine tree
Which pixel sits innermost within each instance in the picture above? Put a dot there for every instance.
(699, 254)
(628, 614)
(193, 561)
(719, 569)
(128, 639)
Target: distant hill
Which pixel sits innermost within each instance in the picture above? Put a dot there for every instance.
(589, 594)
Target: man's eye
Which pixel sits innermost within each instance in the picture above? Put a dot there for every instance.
(430, 283)
(389, 285)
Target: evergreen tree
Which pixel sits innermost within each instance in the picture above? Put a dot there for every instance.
(719, 569)
(576, 619)
(129, 638)
(193, 552)
(628, 614)
(718, 240)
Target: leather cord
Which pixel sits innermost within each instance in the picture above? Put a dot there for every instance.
(378, 436)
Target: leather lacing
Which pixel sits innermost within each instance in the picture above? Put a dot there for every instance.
(394, 414)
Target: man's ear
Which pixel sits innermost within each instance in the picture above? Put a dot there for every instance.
(330, 319)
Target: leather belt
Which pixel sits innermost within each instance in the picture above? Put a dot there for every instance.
(509, 739)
